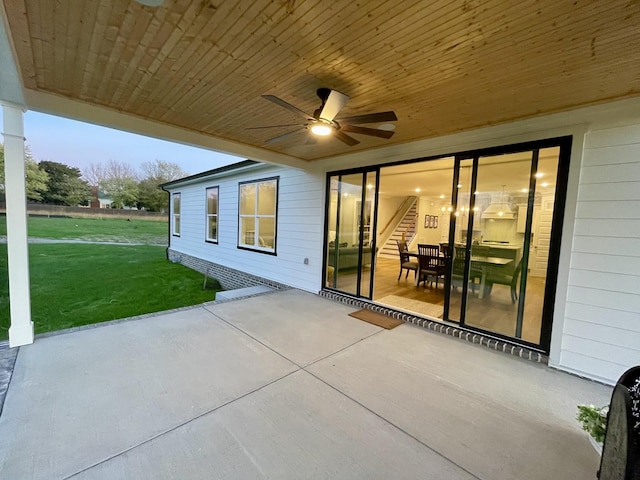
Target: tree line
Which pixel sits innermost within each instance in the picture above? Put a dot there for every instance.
(59, 184)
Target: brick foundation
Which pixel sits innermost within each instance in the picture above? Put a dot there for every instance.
(229, 278)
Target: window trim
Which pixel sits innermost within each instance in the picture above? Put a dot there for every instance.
(173, 214)
(263, 250)
(207, 215)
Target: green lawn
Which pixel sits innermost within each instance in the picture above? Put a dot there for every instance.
(94, 229)
(79, 284)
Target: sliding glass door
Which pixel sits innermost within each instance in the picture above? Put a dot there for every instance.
(501, 237)
(350, 242)
(495, 215)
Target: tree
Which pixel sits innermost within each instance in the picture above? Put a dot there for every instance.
(122, 191)
(64, 187)
(120, 183)
(94, 174)
(37, 180)
(151, 196)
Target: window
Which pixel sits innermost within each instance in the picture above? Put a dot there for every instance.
(212, 214)
(176, 214)
(257, 215)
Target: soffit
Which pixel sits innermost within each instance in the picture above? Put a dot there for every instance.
(442, 66)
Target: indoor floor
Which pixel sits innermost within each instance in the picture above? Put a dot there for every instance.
(493, 313)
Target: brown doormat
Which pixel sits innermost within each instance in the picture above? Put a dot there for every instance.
(376, 319)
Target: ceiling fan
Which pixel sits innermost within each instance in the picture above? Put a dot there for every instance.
(323, 122)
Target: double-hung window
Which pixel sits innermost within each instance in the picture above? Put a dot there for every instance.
(258, 203)
(175, 200)
(212, 214)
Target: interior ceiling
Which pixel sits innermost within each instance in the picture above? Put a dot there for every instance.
(502, 173)
(442, 65)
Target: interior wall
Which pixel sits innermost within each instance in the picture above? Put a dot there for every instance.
(387, 207)
(426, 234)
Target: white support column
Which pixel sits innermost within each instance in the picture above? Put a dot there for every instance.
(21, 329)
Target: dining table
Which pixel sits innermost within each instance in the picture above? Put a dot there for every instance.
(483, 263)
(480, 262)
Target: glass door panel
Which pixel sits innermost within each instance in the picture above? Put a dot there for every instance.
(350, 227)
(460, 217)
(366, 231)
(497, 243)
(545, 181)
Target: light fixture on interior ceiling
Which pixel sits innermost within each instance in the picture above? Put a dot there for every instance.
(321, 129)
(498, 208)
(387, 127)
(151, 3)
(501, 211)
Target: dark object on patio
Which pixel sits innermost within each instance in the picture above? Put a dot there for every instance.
(503, 277)
(376, 318)
(621, 450)
(405, 259)
(430, 263)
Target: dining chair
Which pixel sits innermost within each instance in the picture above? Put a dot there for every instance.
(405, 260)
(430, 263)
(504, 278)
(457, 272)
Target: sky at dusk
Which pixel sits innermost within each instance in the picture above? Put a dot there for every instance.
(79, 144)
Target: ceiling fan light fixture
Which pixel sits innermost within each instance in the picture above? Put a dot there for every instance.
(321, 129)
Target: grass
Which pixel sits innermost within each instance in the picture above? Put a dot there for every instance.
(80, 284)
(98, 230)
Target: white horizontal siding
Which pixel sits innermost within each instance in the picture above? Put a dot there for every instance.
(299, 227)
(601, 328)
(600, 192)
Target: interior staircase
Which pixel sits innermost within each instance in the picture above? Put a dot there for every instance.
(406, 226)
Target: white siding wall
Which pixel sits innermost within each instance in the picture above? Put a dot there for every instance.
(299, 228)
(601, 331)
(597, 320)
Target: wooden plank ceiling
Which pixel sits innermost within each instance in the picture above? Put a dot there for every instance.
(442, 65)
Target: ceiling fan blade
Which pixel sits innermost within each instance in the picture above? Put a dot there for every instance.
(288, 106)
(333, 105)
(370, 118)
(276, 126)
(367, 131)
(284, 135)
(343, 137)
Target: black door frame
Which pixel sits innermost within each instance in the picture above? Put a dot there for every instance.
(564, 143)
(364, 171)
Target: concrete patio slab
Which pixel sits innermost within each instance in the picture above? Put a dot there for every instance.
(300, 326)
(190, 394)
(296, 428)
(79, 398)
(498, 417)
